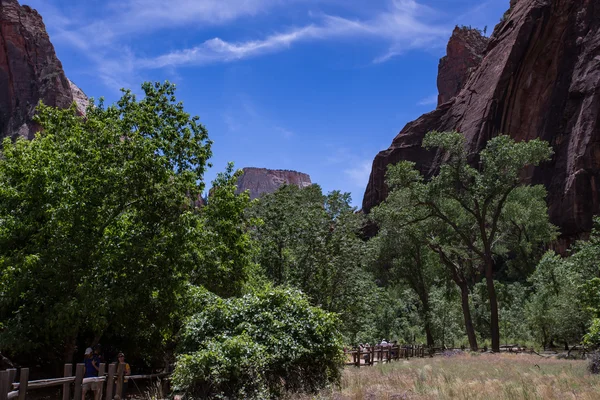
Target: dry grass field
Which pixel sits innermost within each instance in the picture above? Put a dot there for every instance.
(464, 376)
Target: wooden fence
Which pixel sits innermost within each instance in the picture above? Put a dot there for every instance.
(368, 356)
(365, 356)
(109, 384)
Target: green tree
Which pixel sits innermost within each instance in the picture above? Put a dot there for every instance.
(95, 214)
(262, 345)
(398, 255)
(471, 203)
(223, 258)
(311, 241)
(554, 309)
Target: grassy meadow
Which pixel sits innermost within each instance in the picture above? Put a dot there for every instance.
(465, 376)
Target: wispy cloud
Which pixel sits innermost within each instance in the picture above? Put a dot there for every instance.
(428, 101)
(400, 27)
(108, 41)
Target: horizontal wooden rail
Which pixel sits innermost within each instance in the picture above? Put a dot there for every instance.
(151, 376)
(46, 383)
(20, 389)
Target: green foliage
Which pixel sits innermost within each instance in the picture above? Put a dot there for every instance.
(512, 300)
(224, 259)
(554, 308)
(477, 215)
(94, 220)
(258, 346)
(446, 316)
(399, 254)
(311, 242)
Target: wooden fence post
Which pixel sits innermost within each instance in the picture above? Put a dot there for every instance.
(79, 373)
(23, 382)
(372, 350)
(4, 385)
(12, 374)
(110, 381)
(66, 390)
(101, 371)
(120, 371)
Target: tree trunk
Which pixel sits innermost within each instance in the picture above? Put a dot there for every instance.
(430, 342)
(68, 353)
(464, 296)
(494, 321)
(424, 297)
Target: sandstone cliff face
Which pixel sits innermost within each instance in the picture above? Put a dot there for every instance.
(29, 70)
(540, 77)
(260, 181)
(80, 98)
(464, 54)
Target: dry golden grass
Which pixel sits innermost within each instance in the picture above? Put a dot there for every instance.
(486, 376)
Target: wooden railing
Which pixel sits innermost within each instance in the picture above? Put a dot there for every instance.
(365, 356)
(108, 382)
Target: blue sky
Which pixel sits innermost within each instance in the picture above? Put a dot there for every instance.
(318, 86)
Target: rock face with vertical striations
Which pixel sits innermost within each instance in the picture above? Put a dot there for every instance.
(464, 54)
(261, 181)
(29, 70)
(80, 98)
(539, 78)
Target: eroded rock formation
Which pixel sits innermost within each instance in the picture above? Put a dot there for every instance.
(29, 70)
(540, 77)
(260, 181)
(464, 53)
(80, 98)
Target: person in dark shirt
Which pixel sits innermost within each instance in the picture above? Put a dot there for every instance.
(91, 365)
(91, 371)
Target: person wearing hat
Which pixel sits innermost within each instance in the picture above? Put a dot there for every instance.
(91, 367)
(91, 371)
(126, 372)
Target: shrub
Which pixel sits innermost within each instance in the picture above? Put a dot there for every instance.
(258, 346)
(594, 364)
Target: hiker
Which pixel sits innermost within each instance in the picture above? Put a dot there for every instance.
(126, 373)
(91, 371)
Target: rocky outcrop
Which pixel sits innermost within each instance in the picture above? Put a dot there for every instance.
(80, 98)
(260, 181)
(464, 54)
(539, 78)
(29, 70)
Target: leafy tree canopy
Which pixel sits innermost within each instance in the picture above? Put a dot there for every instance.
(95, 215)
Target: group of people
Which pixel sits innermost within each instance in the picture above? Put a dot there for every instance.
(384, 343)
(92, 360)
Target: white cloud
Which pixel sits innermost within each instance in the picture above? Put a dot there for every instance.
(400, 26)
(359, 173)
(428, 101)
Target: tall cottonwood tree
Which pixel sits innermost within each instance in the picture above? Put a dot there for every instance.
(471, 202)
(95, 222)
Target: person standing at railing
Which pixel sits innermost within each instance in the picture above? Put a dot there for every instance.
(126, 373)
(91, 371)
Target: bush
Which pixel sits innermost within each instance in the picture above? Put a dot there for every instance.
(594, 364)
(258, 346)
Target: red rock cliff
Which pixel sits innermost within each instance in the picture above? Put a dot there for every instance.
(464, 54)
(261, 180)
(540, 77)
(29, 70)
